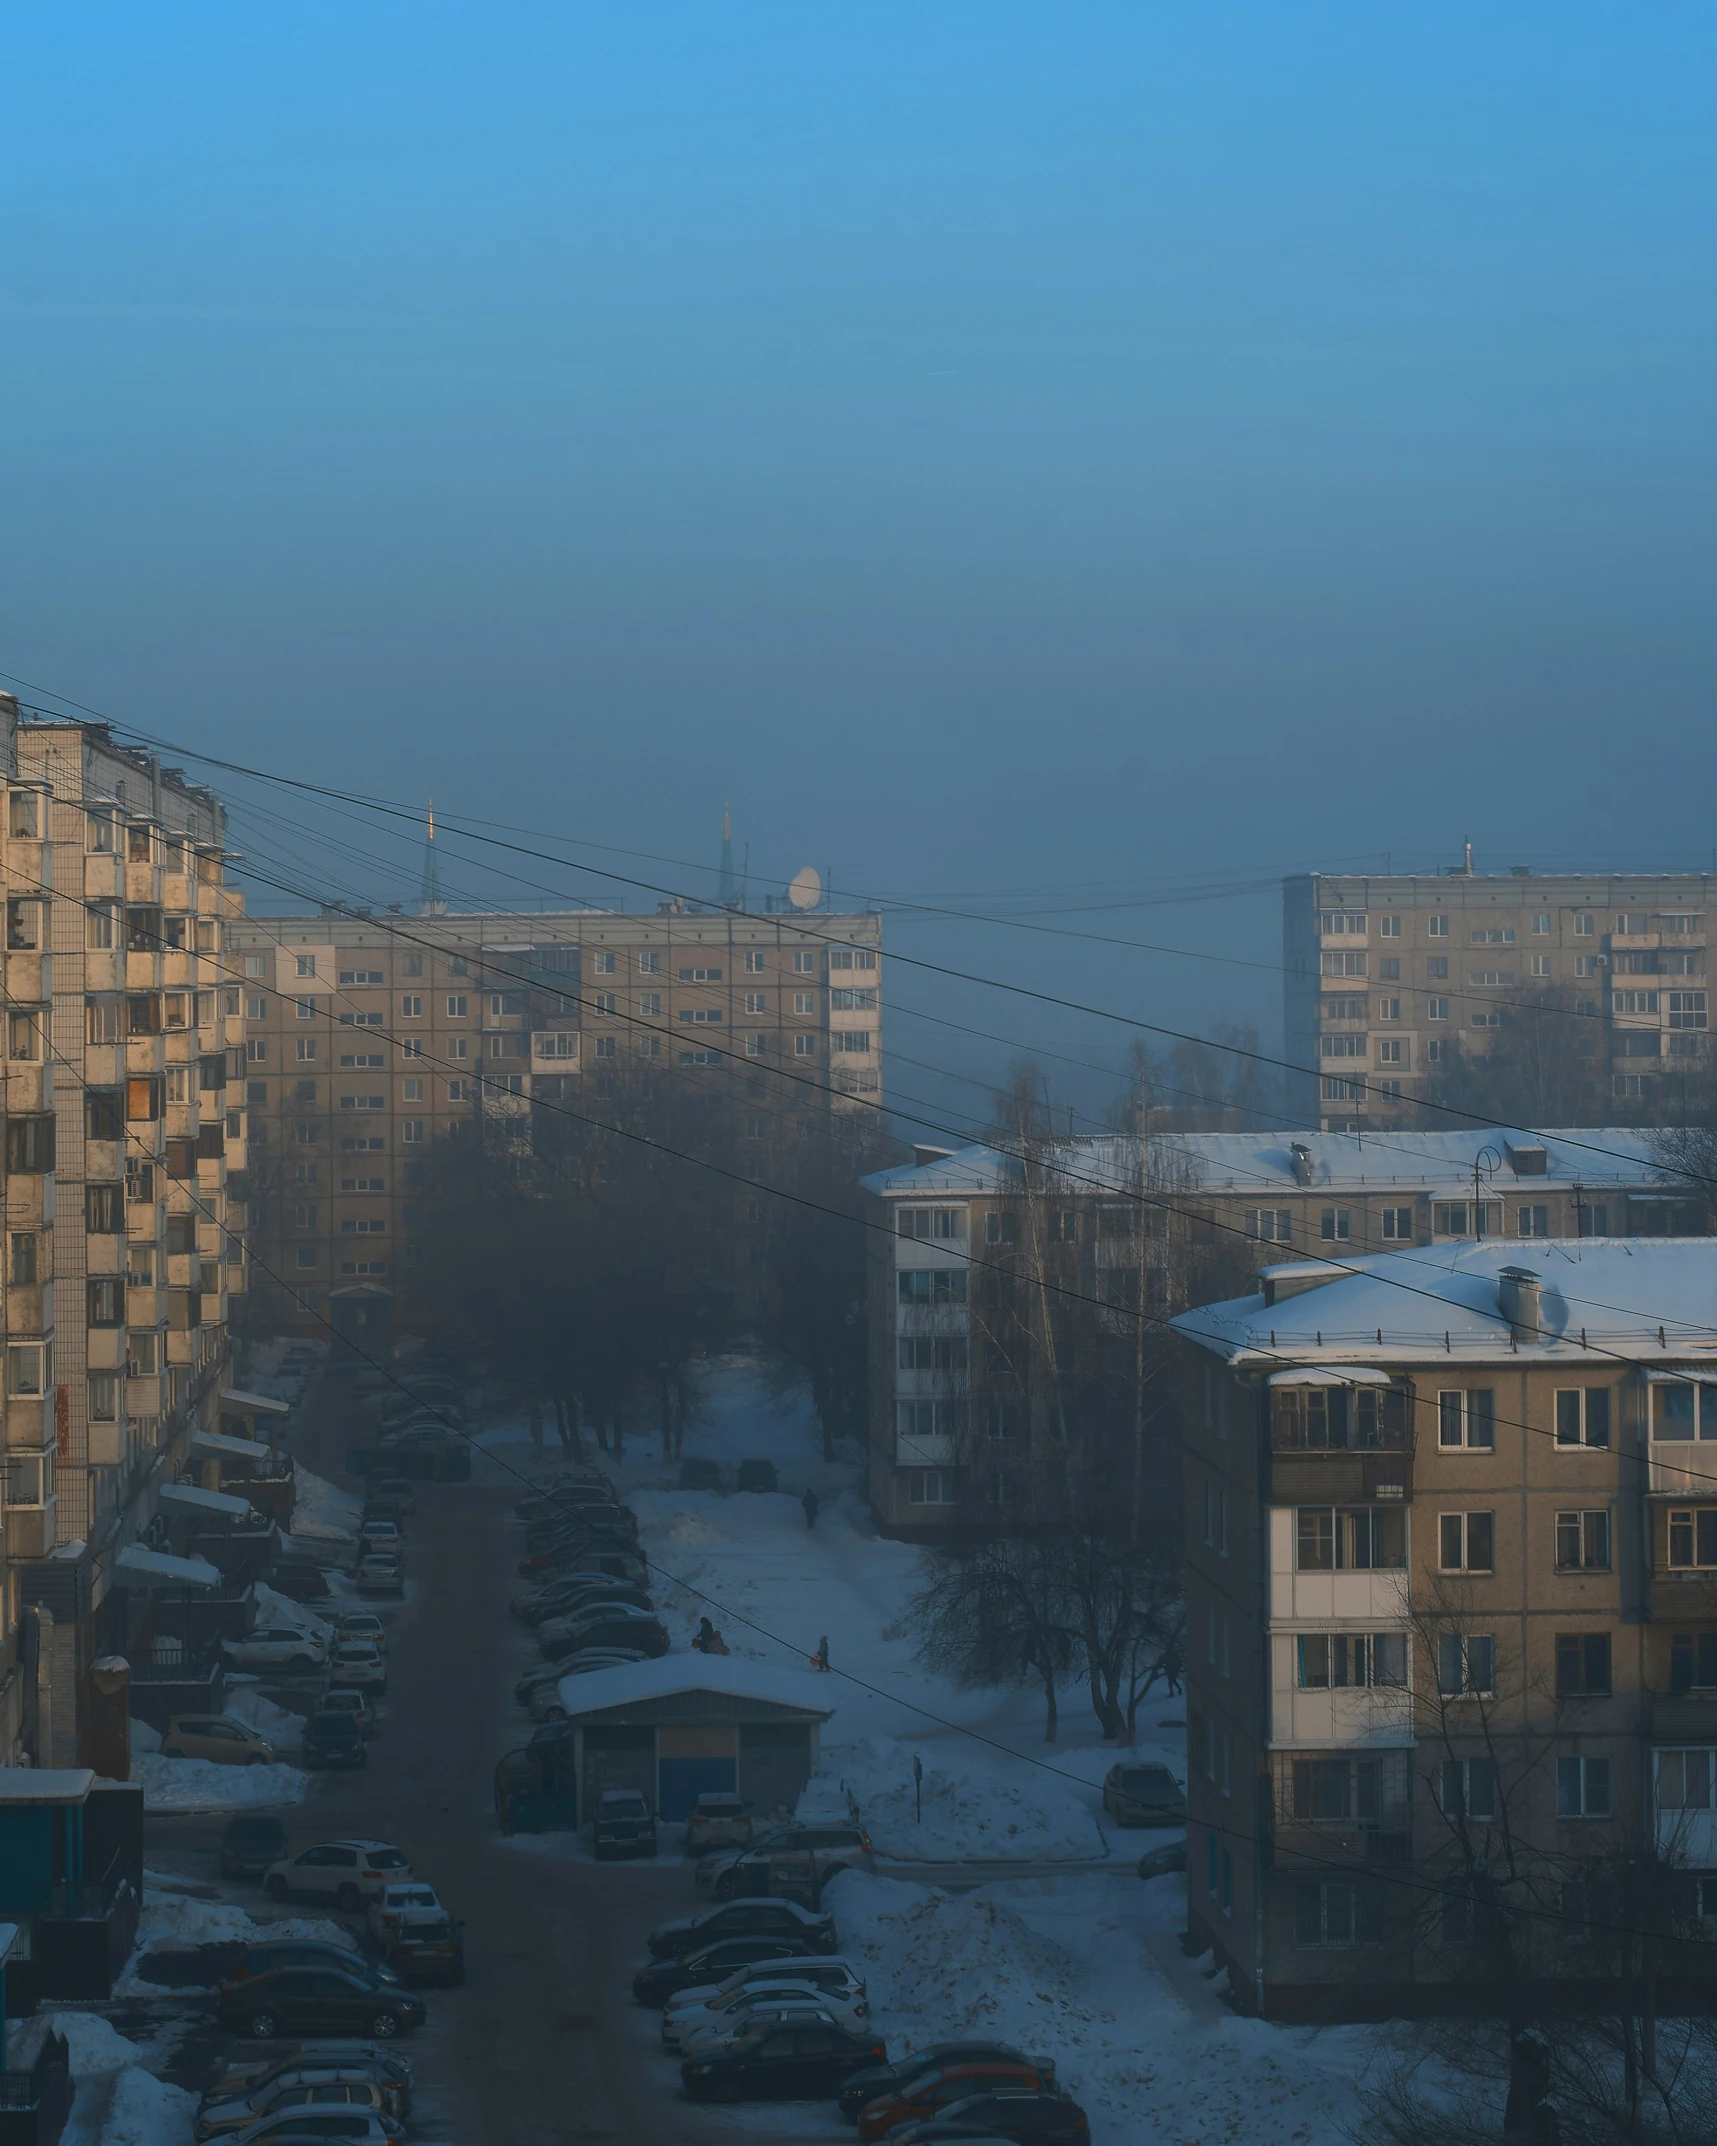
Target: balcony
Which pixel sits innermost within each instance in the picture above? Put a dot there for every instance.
(1369, 1598)
(1338, 1437)
(1366, 1717)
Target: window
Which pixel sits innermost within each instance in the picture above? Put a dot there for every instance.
(1341, 1661)
(362, 1227)
(853, 1001)
(30, 1140)
(362, 976)
(701, 1016)
(1583, 1541)
(557, 1043)
(606, 1047)
(1437, 969)
(1398, 1225)
(929, 1222)
(1391, 1051)
(805, 964)
(1693, 1538)
(1389, 972)
(1341, 964)
(1342, 923)
(102, 1389)
(27, 1369)
(649, 1046)
(1686, 1009)
(1532, 1221)
(1693, 1661)
(456, 1005)
(1583, 1416)
(142, 1355)
(363, 1102)
(1336, 1225)
(1389, 1009)
(925, 1352)
(602, 964)
(1466, 1542)
(1490, 976)
(1344, 1008)
(306, 964)
(804, 1002)
(1685, 1781)
(754, 963)
(1389, 927)
(411, 1131)
(930, 1486)
(1679, 1405)
(1467, 1418)
(139, 1270)
(1582, 1788)
(1434, 1050)
(304, 1215)
(849, 1041)
(1490, 938)
(700, 976)
(1342, 1091)
(1001, 1227)
(1341, 1046)
(1582, 1665)
(1340, 1913)
(1487, 1020)
(1270, 1225)
(1466, 1665)
(1361, 1538)
(756, 1044)
(23, 1258)
(804, 1046)
(1467, 1218)
(102, 1020)
(411, 1091)
(609, 1002)
(363, 1266)
(1437, 927)
(411, 1006)
(307, 1051)
(1633, 1001)
(24, 1034)
(650, 1004)
(1466, 1788)
(931, 1285)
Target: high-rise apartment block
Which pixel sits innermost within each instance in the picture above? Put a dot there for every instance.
(123, 1233)
(1452, 1624)
(369, 1038)
(1386, 977)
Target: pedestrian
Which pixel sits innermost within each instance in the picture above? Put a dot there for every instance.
(820, 1660)
(1171, 1666)
(717, 1645)
(706, 1633)
(809, 1502)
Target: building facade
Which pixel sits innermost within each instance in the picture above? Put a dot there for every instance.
(1452, 1602)
(124, 1231)
(369, 1038)
(1386, 977)
(1093, 1210)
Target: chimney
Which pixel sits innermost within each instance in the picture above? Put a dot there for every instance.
(1295, 1277)
(1517, 1300)
(1302, 1161)
(1469, 851)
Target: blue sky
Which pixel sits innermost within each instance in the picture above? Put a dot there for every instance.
(1060, 454)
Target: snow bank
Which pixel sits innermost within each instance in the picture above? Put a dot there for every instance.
(143, 1737)
(284, 1730)
(97, 2047)
(271, 1604)
(975, 1808)
(142, 2111)
(201, 1785)
(322, 1510)
(175, 1920)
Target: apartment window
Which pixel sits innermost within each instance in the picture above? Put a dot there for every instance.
(1437, 927)
(355, 1061)
(1001, 1227)
(1631, 924)
(1398, 1225)
(1335, 1226)
(1337, 1914)
(304, 1215)
(850, 1042)
(1341, 1661)
(1532, 1221)
(306, 964)
(142, 1355)
(23, 1258)
(756, 1045)
(1342, 1091)
(1687, 1009)
(1389, 927)
(1582, 1788)
(1342, 923)
(256, 1050)
(1216, 1519)
(1490, 977)
(1434, 1051)
(1680, 1407)
(411, 1006)
(362, 1227)
(804, 1002)
(100, 926)
(804, 1046)
(305, 1255)
(1343, 1008)
(649, 1046)
(363, 1102)
(103, 1022)
(1341, 1046)
(30, 1140)
(1583, 1541)
(1341, 964)
(701, 1016)
(931, 1285)
(1467, 1218)
(649, 964)
(756, 1002)
(307, 1050)
(1680, 925)
(700, 976)
(411, 1091)
(852, 1001)
(1270, 1225)
(1389, 972)
(805, 964)
(139, 1270)
(1582, 1665)
(1490, 938)
(1633, 1002)
(1466, 1542)
(1466, 1788)
(650, 1004)
(609, 1002)
(1391, 1051)
(938, 1352)
(256, 1094)
(606, 1047)
(1389, 1009)
(1693, 1661)
(1693, 1538)
(1362, 1538)
(24, 1034)
(362, 976)
(1466, 1665)
(931, 1222)
(1467, 1418)
(102, 1389)
(602, 964)
(27, 1369)
(1686, 1781)
(411, 1131)
(1595, 1220)
(930, 1486)
(1436, 971)
(456, 1005)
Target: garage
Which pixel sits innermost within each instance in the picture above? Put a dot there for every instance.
(690, 1725)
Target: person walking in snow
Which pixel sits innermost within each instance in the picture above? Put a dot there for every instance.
(1171, 1667)
(809, 1502)
(706, 1633)
(820, 1660)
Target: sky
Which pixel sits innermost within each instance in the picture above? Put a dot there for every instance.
(1067, 466)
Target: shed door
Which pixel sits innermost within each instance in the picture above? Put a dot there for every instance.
(692, 1762)
(619, 1758)
(774, 1765)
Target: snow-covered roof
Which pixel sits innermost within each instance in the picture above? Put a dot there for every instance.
(258, 1403)
(44, 1784)
(233, 1448)
(639, 1683)
(1265, 1163)
(137, 1567)
(1649, 1299)
(205, 1501)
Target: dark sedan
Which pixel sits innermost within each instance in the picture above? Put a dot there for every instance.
(270, 1954)
(1027, 2119)
(655, 1983)
(1144, 1796)
(783, 2062)
(317, 2000)
(334, 1740)
(743, 1918)
(871, 2085)
(428, 1948)
(250, 1843)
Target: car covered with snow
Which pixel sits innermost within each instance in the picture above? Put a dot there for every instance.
(658, 1980)
(817, 1970)
(1019, 2116)
(724, 2016)
(347, 1699)
(364, 1625)
(1143, 1795)
(248, 2069)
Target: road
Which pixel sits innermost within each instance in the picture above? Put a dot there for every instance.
(543, 2046)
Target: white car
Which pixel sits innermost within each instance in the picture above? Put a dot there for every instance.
(791, 2011)
(393, 1902)
(824, 1971)
(358, 1665)
(277, 1646)
(364, 1625)
(348, 1872)
(724, 2012)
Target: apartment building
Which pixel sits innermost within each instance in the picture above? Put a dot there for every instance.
(1452, 1599)
(123, 1235)
(1387, 977)
(1213, 1204)
(369, 1038)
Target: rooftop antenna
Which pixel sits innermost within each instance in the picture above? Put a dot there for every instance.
(430, 903)
(727, 888)
(1469, 850)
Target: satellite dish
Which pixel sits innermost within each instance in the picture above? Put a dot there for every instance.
(805, 889)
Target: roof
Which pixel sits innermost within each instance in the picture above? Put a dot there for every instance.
(44, 1784)
(1265, 1163)
(205, 1501)
(641, 1686)
(1648, 1299)
(138, 1567)
(234, 1448)
(260, 1403)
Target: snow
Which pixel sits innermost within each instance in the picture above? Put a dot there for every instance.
(272, 1607)
(634, 1681)
(975, 1806)
(284, 1730)
(143, 1738)
(176, 1919)
(116, 2102)
(322, 1511)
(201, 1785)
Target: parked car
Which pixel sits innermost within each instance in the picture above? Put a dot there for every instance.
(396, 1488)
(790, 1873)
(333, 1739)
(218, 1737)
(544, 1684)
(301, 1580)
(930, 2091)
(742, 1918)
(267, 1955)
(316, 2000)
(700, 1475)
(390, 1904)
(755, 1475)
(555, 1634)
(1147, 1795)
(324, 2086)
(722, 2020)
(380, 1535)
(868, 2086)
(250, 1842)
(427, 1947)
(311, 2127)
(658, 1980)
(616, 1629)
(376, 1508)
(1162, 1862)
(347, 1871)
(1026, 2118)
(836, 1977)
(357, 1664)
(347, 1699)
(380, 1575)
(251, 2068)
(293, 1648)
(562, 1597)
(718, 1872)
(624, 1824)
(717, 1820)
(427, 1453)
(365, 1625)
(797, 2063)
(799, 2009)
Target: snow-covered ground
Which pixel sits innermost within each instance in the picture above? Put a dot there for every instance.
(201, 1785)
(116, 2101)
(322, 1511)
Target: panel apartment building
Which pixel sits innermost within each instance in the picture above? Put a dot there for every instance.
(123, 1230)
(368, 1038)
(1217, 1202)
(1384, 976)
(1452, 1603)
